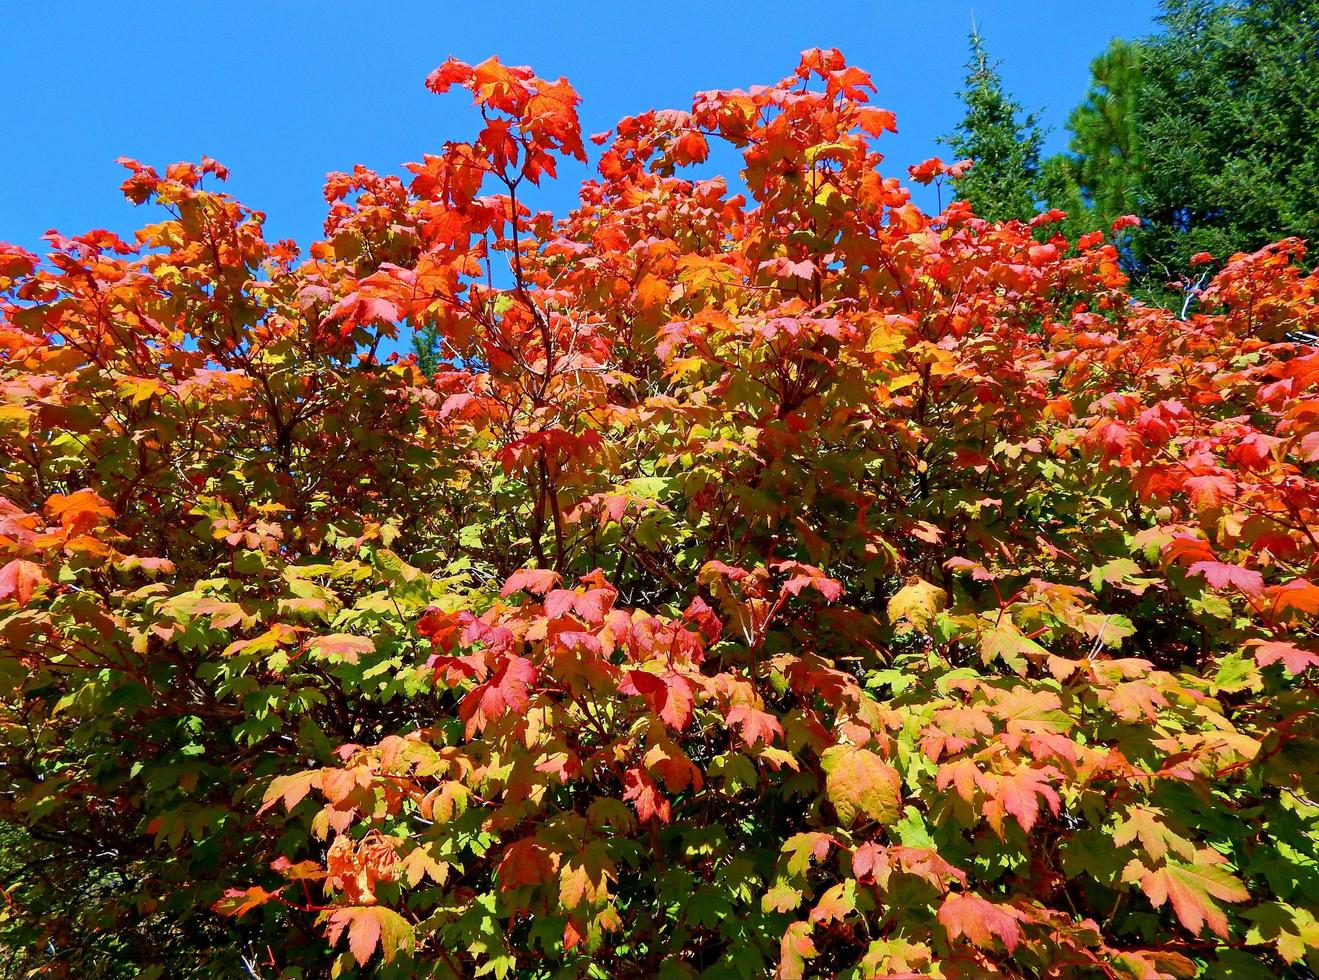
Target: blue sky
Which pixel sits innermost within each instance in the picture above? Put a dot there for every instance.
(283, 91)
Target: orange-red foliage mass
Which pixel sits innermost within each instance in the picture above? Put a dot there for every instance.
(772, 580)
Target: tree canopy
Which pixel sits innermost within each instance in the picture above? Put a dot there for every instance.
(770, 578)
(1203, 130)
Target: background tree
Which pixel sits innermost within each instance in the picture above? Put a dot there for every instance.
(427, 346)
(1228, 112)
(1005, 149)
(1105, 160)
(1205, 130)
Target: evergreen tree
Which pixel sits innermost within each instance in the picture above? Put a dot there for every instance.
(1228, 110)
(1106, 161)
(1206, 131)
(1099, 179)
(426, 347)
(1005, 148)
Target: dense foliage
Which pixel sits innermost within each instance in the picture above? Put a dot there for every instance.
(1204, 130)
(771, 581)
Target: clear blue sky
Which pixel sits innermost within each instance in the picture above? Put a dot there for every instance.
(282, 91)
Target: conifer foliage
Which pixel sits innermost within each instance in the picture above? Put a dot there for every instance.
(1007, 181)
(768, 579)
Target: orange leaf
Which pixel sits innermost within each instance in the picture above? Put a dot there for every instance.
(1192, 889)
(368, 927)
(19, 578)
(979, 921)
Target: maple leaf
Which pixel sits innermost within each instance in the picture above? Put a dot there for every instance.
(651, 292)
(876, 121)
(691, 147)
(785, 268)
(1156, 837)
(1024, 710)
(239, 901)
(754, 725)
(1210, 492)
(584, 878)
(1298, 594)
(874, 863)
(917, 602)
(835, 904)
(850, 82)
(1185, 550)
(642, 792)
(1156, 964)
(669, 695)
(1293, 658)
(368, 927)
(795, 948)
(80, 510)
(455, 669)
(1192, 889)
(1003, 640)
(1134, 701)
(589, 604)
(955, 728)
(289, 789)
(981, 922)
(1120, 572)
(342, 647)
(926, 171)
(301, 871)
(804, 848)
(1019, 793)
(507, 690)
(666, 760)
(1293, 931)
(441, 628)
(19, 578)
(446, 802)
(356, 310)
(860, 783)
(529, 861)
(807, 576)
(1221, 575)
(537, 580)
(452, 72)
(419, 863)
(781, 898)
(977, 570)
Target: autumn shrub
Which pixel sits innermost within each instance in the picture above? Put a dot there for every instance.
(772, 578)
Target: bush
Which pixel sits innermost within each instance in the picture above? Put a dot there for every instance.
(802, 584)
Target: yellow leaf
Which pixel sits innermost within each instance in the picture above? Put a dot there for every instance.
(861, 784)
(918, 602)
